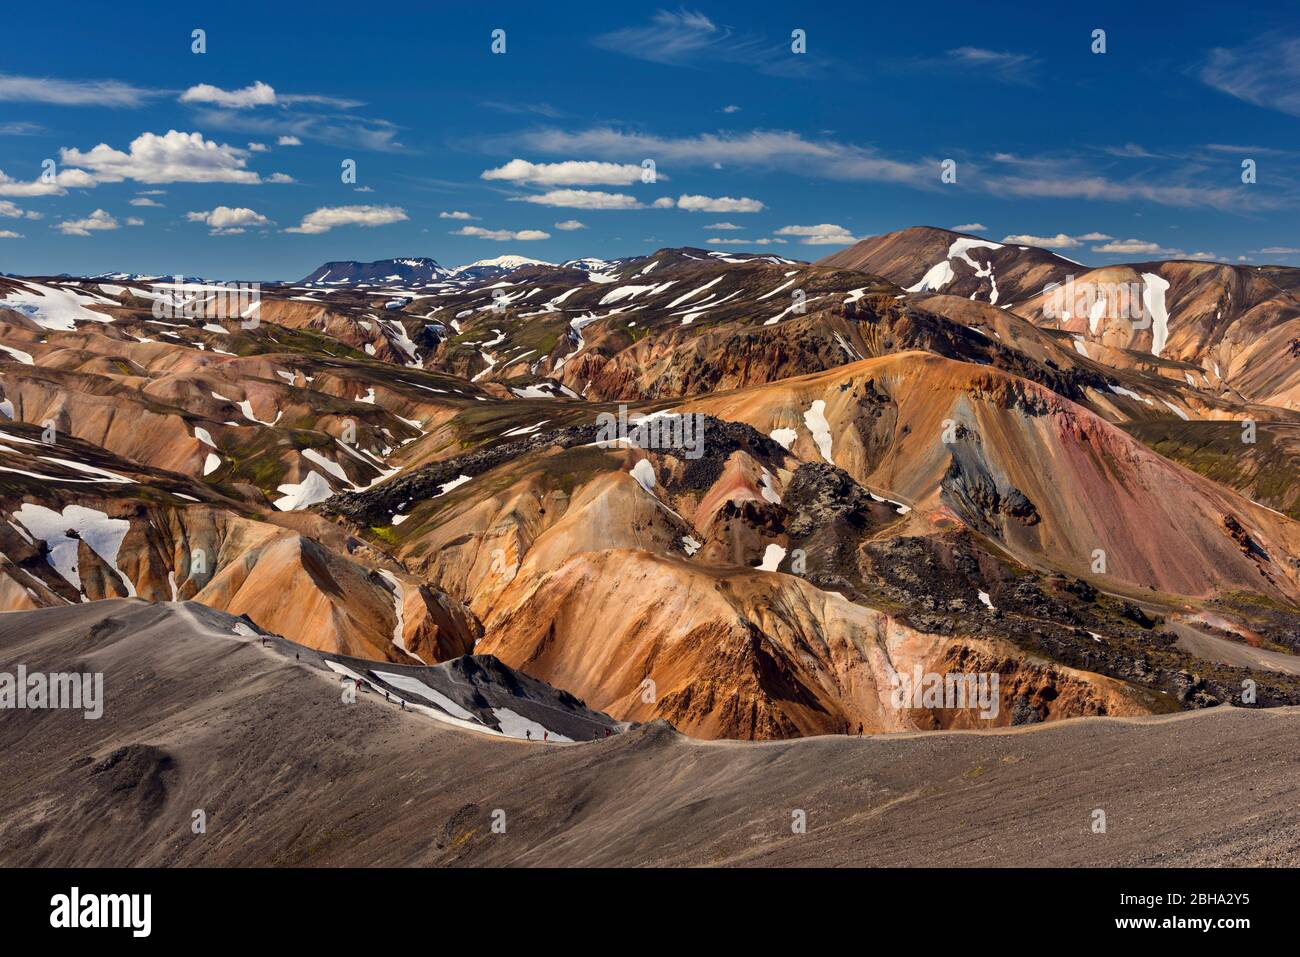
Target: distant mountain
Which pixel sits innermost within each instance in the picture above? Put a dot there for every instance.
(493, 268)
(407, 272)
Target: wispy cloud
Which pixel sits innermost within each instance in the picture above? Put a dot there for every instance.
(1131, 151)
(22, 128)
(685, 37)
(690, 38)
(538, 109)
(1052, 177)
(766, 149)
(1265, 72)
(110, 93)
(333, 129)
(998, 64)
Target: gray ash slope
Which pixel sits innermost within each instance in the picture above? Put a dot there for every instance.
(489, 694)
(289, 776)
(478, 690)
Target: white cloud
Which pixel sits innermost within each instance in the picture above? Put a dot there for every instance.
(567, 173)
(1271, 250)
(823, 234)
(970, 228)
(225, 220)
(745, 242)
(570, 224)
(731, 108)
(502, 235)
(720, 204)
(1059, 241)
(145, 201)
(327, 217)
(173, 158)
(724, 226)
(65, 179)
(582, 199)
(97, 221)
(288, 141)
(455, 214)
(258, 94)
(283, 178)
(1129, 246)
(1093, 237)
(10, 234)
(134, 221)
(258, 148)
(26, 89)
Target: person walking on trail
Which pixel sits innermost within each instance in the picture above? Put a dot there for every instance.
(546, 736)
(528, 733)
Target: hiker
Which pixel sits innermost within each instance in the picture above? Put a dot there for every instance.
(528, 733)
(546, 735)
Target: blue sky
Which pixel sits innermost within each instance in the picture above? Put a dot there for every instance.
(756, 148)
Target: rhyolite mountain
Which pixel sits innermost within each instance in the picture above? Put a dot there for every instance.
(905, 464)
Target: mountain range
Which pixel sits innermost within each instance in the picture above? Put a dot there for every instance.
(920, 452)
